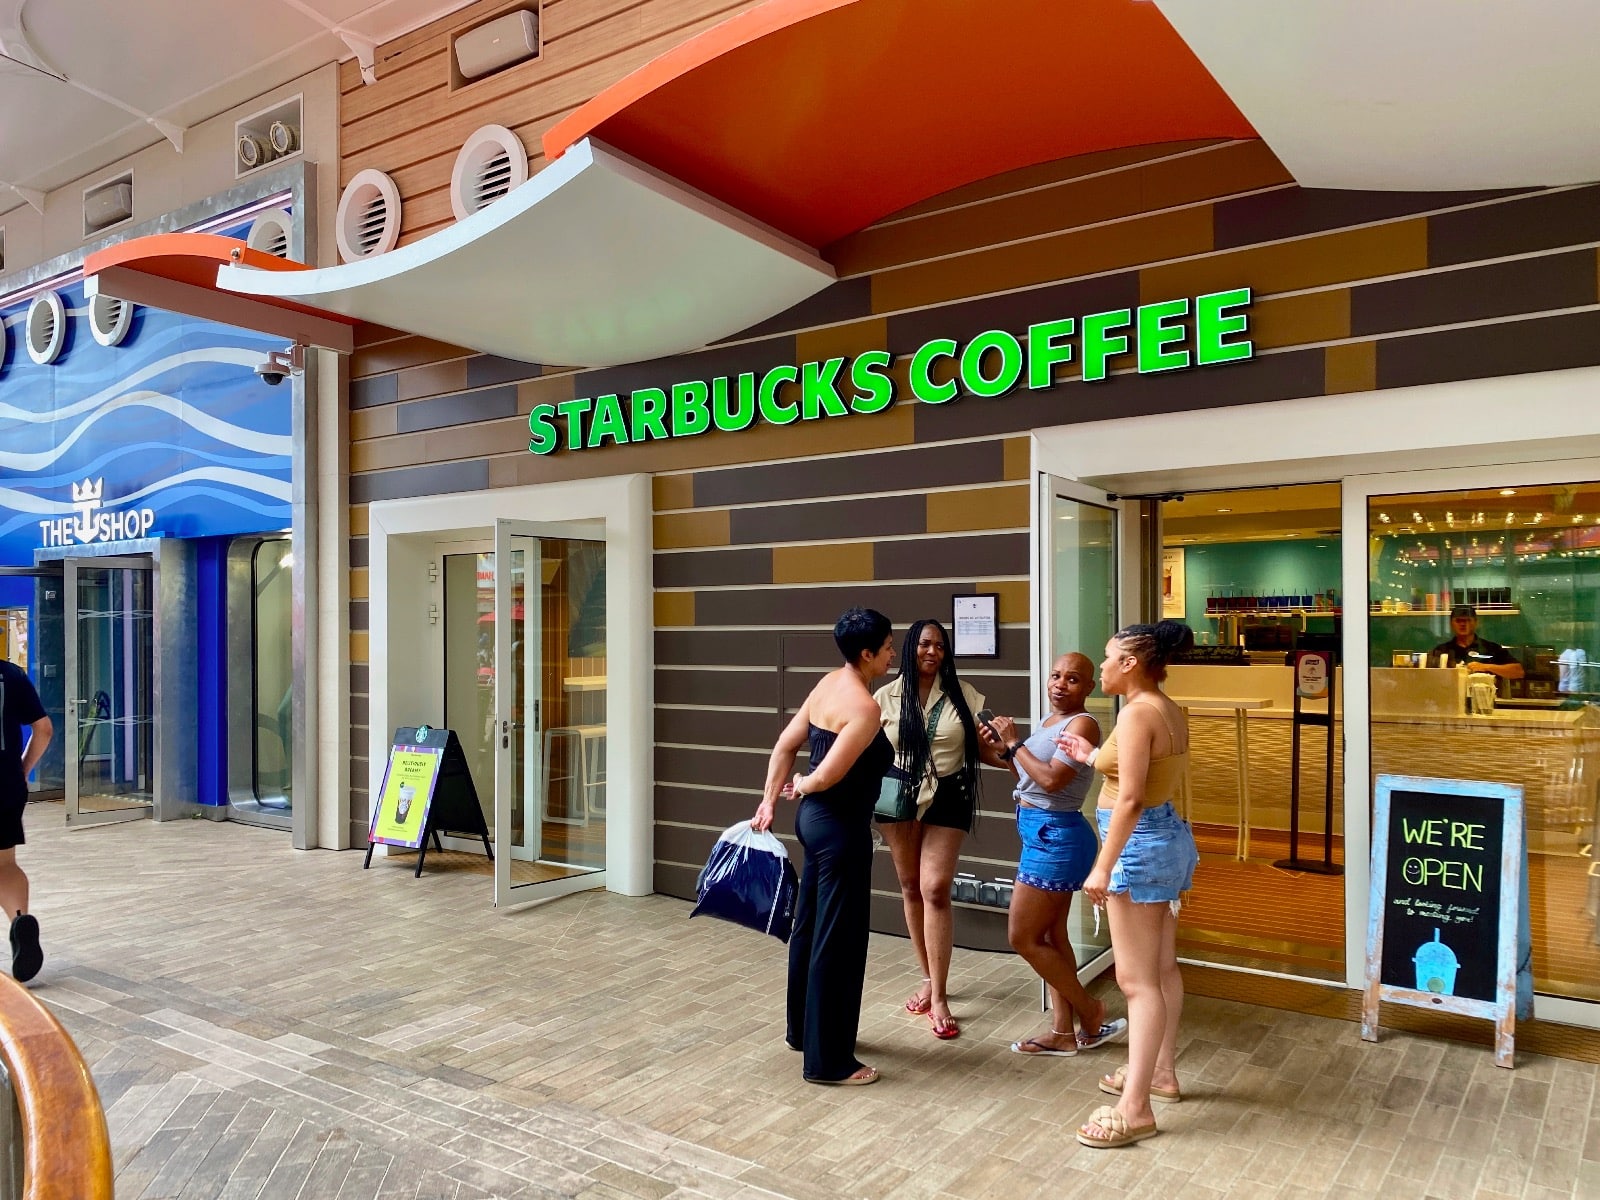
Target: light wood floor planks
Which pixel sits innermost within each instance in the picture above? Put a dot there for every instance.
(270, 1024)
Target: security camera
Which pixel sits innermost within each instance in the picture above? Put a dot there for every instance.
(280, 364)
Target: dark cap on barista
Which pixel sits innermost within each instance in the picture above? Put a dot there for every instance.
(1463, 610)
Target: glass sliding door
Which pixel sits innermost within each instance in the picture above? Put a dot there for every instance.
(109, 744)
(549, 713)
(1080, 605)
(36, 645)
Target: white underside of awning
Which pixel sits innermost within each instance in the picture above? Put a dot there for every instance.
(1424, 95)
(596, 260)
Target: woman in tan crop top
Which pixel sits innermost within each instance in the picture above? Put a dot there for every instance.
(1146, 862)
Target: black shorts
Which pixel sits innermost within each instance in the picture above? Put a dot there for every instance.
(12, 805)
(951, 807)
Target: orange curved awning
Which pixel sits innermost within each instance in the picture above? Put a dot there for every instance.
(819, 117)
(178, 272)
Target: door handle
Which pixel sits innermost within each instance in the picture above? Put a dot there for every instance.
(505, 735)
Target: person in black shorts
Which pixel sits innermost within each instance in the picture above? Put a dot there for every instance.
(19, 710)
(927, 714)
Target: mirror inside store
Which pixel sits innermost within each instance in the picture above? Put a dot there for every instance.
(1502, 586)
(1256, 574)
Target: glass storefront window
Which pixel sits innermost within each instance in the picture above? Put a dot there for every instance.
(1516, 699)
(271, 579)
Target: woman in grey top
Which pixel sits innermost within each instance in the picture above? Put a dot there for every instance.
(1058, 851)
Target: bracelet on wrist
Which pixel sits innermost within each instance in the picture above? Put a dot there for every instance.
(1011, 750)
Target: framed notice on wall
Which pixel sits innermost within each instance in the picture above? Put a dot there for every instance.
(1447, 863)
(1172, 598)
(975, 625)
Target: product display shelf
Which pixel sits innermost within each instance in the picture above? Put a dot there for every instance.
(1274, 612)
(1484, 610)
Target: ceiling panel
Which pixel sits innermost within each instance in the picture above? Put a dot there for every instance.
(153, 53)
(38, 112)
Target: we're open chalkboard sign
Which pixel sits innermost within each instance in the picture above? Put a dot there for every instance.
(1446, 875)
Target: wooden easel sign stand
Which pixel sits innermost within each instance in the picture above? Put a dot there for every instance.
(1447, 862)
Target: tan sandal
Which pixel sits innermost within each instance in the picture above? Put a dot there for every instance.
(1112, 1085)
(1114, 1124)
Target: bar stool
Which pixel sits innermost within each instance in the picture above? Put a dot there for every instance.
(585, 790)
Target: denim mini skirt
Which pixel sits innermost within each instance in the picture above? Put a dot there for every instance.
(1058, 849)
(1157, 865)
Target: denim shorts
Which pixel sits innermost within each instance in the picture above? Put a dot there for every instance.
(1058, 849)
(1157, 865)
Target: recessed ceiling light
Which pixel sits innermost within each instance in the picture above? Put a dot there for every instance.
(1508, 491)
(1224, 510)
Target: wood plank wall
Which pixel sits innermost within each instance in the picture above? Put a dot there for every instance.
(410, 123)
(763, 537)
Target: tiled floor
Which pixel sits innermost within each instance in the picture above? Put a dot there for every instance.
(263, 1023)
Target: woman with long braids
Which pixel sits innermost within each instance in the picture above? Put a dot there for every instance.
(1146, 862)
(927, 715)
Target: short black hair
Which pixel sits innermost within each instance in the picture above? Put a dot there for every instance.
(861, 629)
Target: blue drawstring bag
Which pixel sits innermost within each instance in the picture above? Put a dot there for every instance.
(750, 881)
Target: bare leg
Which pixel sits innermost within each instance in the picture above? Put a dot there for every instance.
(1037, 931)
(941, 847)
(13, 885)
(1139, 936)
(1166, 1071)
(905, 848)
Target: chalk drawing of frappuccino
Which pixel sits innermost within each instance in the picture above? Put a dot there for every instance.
(1436, 967)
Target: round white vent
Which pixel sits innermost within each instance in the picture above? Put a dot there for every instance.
(270, 233)
(109, 319)
(46, 327)
(368, 221)
(491, 163)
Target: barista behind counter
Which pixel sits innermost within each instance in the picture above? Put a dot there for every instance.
(1478, 654)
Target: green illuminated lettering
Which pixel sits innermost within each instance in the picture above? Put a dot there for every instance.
(874, 386)
(608, 422)
(1211, 326)
(573, 411)
(542, 428)
(1154, 333)
(727, 418)
(772, 412)
(690, 412)
(819, 390)
(1099, 343)
(649, 414)
(922, 385)
(1044, 351)
(972, 376)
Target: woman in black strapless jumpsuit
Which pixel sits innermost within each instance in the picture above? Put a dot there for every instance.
(828, 948)
(849, 758)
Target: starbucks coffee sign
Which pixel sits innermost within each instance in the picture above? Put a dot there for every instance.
(1171, 335)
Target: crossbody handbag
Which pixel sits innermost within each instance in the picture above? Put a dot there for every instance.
(897, 794)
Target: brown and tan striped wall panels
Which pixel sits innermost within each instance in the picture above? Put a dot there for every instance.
(761, 538)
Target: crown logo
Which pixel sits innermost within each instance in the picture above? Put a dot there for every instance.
(85, 491)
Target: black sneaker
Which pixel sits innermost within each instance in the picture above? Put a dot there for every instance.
(26, 956)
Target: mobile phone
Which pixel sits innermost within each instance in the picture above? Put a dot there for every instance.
(986, 718)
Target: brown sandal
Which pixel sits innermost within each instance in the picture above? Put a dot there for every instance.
(857, 1078)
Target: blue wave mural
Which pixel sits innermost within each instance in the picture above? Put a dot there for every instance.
(169, 434)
